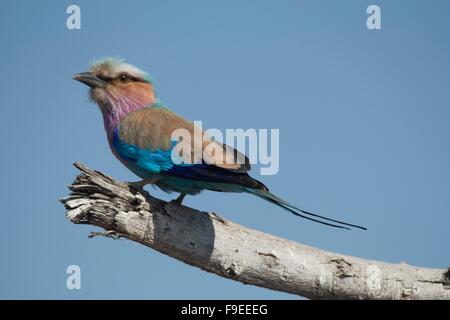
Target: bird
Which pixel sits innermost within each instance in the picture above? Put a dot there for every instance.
(139, 130)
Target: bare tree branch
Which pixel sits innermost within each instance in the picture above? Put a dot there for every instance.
(220, 246)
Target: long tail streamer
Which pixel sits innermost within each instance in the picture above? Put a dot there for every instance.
(268, 196)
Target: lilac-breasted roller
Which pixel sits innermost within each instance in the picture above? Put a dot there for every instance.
(139, 130)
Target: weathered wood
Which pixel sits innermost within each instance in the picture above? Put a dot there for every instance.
(217, 245)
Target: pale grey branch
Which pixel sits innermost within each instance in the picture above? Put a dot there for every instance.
(214, 244)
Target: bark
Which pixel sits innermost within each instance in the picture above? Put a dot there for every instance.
(214, 244)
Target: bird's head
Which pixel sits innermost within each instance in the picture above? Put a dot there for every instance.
(117, 87)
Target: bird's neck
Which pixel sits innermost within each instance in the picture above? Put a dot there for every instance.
(118, 106)
(112, 118)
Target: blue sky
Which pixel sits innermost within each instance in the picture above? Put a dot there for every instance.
(363, 118)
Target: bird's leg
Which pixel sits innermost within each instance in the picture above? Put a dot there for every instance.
(180, 198)
(141, 184)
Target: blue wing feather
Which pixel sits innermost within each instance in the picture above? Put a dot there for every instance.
(154, 161)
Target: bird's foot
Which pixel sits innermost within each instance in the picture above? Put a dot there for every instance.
(141, 184)
(179, 199)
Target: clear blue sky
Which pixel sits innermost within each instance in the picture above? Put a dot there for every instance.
(364, 119)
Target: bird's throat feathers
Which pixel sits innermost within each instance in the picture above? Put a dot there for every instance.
(116, 103)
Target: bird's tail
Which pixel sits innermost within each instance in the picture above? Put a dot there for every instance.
(268, 196)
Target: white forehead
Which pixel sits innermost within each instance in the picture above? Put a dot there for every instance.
(113, 67)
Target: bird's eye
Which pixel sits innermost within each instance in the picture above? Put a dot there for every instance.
(124, 78)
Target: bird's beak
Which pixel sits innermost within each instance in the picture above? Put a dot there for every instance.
(89, 79)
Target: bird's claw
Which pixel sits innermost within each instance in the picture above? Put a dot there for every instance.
(179, 200)
(137, 184)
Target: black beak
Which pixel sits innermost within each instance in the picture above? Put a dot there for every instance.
(89, 79)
